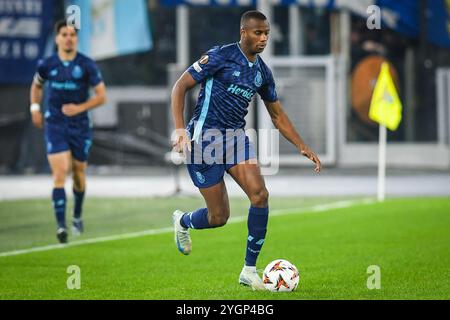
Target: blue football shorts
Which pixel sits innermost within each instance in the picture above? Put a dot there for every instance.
(211, 157)
(73, 136)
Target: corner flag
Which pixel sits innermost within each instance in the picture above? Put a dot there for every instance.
(386, 109)
(385, 106)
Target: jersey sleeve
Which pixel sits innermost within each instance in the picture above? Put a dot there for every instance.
(207, 65)
(267, 91)
(94, 74)
(41, 74)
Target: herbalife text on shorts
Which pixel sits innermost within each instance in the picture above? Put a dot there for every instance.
(233, 146)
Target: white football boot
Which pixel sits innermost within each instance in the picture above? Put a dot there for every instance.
(182, 237)
(249, 277)
(77, 227)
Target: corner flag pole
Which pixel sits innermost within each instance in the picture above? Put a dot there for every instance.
(382, 141)
(386, 109)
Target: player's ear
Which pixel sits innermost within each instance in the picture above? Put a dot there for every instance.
(243, 32)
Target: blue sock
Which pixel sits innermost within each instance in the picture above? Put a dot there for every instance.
(196, 219)
(59, 205)
(257, 227)
(78, 205)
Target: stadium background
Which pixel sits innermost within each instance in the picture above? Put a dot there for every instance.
(325, 62)
(133, 129)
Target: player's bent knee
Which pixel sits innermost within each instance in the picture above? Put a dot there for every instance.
(79, 182)
(79, 171)
(218, 220)
(260, 198)
(79, 175)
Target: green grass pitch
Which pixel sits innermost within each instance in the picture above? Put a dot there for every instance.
(409, 239)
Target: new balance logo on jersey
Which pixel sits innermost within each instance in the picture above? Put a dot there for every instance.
(246, 93)
(236, 73)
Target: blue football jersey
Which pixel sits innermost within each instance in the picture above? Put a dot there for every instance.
(67, 82)
(229, 82)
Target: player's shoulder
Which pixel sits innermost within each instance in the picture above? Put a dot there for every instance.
(263, 65)
(48, 61)
(82, 58)
(229, 48)
(265, 69)
(223, 51)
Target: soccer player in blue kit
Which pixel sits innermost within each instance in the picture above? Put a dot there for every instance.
(68, 76)
(229, 76)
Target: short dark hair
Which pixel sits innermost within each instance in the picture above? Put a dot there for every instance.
(254, 14)
(62, 24)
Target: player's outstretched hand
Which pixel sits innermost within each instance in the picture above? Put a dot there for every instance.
(311, 156)
(181, 143)
(71, 109)
(36, 117)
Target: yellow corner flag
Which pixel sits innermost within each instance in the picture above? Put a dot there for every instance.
(385, 106)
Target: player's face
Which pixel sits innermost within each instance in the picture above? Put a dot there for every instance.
(67, 39)
(255, 34)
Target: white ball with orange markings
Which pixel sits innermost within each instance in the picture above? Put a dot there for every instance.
(281, 276)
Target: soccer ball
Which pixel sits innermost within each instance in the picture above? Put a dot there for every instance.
(281, 276)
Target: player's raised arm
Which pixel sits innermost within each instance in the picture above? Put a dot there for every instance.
(282, 122)
(183, 85)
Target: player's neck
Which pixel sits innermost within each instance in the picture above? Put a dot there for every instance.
(67, 56)
(247, 53)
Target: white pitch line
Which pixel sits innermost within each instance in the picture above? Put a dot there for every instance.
(87, 241)
(317, 208)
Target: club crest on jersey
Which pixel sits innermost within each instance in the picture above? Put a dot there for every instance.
(54, 72)
(258, 79)
(77, 73)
